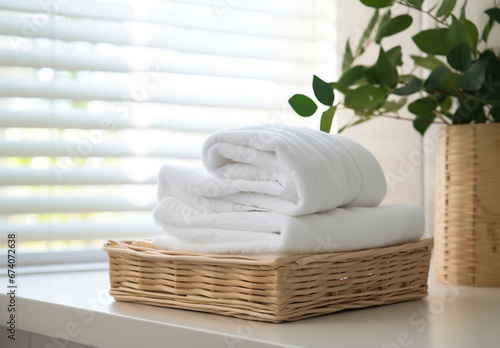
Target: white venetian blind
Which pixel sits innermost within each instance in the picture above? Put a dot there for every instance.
(96, 95)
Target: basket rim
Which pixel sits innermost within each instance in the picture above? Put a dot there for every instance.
(126, 247)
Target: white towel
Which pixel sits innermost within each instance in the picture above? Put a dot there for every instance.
(341, 229)
(277, 168)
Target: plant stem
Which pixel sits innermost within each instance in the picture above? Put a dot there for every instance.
(438, 114)
(407, 4)
(394, 116)
(367, 43)
(464, 99)
(441, 117)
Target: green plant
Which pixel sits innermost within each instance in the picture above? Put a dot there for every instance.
(458, 80)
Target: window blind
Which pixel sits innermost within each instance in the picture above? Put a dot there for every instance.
(96, 95)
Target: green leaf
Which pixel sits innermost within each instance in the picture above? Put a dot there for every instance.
(446, 104)
(422, 106)
(428, 62)
(462, 116)
(434, 79)
(462, 10)
(393, 26)
(377, 3)
(395, 56)
(365, 99)
(480, 116)
(456, 34)
(411, 87)
(340, 88)
(348, 57)
(359, 121)
(460, 57)
(394, 105)
(323, 91)
(447, 84)
(490, 56)
(423, 121)
(352, 75)
(472, 34)
(366, 34)
(470, 110)
(416, 3)
(433, 7)
(303, 105)
(474, 77)
(487, 30)
(490, 89)
(494, 14)
(370, 74)
(495, 113)
(406, 78)
(327, 118)
(432, 41)
(441, 79)
(446, 7)
(386, 71)
(386, 17)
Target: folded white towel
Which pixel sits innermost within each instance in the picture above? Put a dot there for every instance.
(277, 168)
(341, 229)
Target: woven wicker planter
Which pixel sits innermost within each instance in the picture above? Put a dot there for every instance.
(467, 223)
(274, 289)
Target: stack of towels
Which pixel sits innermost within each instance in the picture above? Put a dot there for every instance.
(276, 189)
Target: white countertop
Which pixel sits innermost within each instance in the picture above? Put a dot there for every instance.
(77, 305)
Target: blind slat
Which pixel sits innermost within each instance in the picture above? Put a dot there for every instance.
(198, 121)
(202, 17)
(87, 148)
(314, 9)
(173, 62)
(75, 231)
(147, 89)
(69, 204)
(224, 44)
(74, 176)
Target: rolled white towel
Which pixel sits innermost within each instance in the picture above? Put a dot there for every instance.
(276, 168)
(341, 229)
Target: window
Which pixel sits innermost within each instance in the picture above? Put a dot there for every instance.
(96, 95)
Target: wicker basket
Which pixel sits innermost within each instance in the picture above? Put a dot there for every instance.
(277, 289)
(467, 222)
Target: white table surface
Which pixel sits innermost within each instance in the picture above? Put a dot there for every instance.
(77, 304)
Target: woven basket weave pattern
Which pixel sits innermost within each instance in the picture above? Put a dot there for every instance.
(467, 225)
(282, 289)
